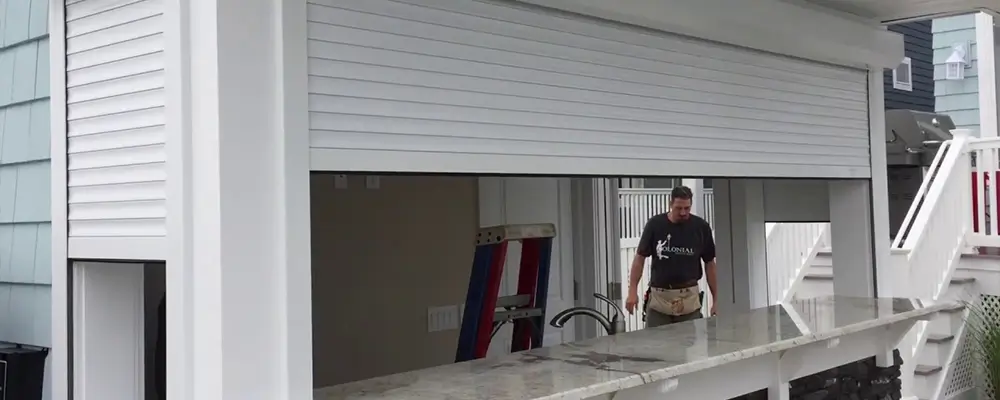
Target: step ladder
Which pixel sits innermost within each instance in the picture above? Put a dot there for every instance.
(526, 309)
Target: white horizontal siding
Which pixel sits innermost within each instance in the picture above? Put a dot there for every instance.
(477, 86)
(115, 122)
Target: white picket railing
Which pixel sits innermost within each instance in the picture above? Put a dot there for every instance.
(985, 177)
(707, 210)
(791, 249)
(636, 206)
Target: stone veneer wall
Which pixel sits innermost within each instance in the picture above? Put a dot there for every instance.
(860, 380)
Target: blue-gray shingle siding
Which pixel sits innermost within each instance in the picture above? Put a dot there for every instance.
(918, 41)
(25, 222)
(958, 99)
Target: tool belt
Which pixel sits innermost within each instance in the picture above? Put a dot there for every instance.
(675, 300)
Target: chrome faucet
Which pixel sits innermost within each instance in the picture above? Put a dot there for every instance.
(612, 325)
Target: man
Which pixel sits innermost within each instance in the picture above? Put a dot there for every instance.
(678, 242)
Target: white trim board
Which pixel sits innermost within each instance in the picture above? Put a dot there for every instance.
(879, 224)
(118, 248)
(60, 370)
(770, 25)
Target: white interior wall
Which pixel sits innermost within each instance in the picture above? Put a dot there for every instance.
(796, 200)
(400, 260)
(740, 241)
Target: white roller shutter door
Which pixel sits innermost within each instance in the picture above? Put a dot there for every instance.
(464, 86)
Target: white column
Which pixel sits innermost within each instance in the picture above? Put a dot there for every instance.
(879, 185)
(987, 76)
(61, 314)
(238, 267)
(741, 244)
(697, 188)
(851, 238)
(108, 325)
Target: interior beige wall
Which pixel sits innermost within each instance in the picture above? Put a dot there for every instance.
(380, 258)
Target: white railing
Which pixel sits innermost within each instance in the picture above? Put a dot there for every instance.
(791, 249)
(985, 178)
(636, 206)
(707, 210)
(932, 238)
(629, 246)
(936, 226)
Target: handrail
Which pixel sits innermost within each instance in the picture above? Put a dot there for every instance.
(810, 255)
(936, 183)
(904, 228)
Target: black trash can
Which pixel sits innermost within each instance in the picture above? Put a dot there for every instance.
(22, 372)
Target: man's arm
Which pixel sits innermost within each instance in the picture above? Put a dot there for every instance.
(639, 261)
(710, 276)
(635, 274)
(708, 256)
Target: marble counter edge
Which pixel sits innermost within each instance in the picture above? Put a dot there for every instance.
(650, 377)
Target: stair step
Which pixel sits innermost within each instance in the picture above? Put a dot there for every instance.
(818, 276)
(926, 370)
(829, 276)
(959, 307)
(940, 338)
(963, 280)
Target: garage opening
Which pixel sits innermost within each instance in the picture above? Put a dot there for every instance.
(392, 255)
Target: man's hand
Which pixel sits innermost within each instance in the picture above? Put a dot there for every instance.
(632, 302)
(713, 310)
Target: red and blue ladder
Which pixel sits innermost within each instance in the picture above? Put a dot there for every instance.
(526, 309)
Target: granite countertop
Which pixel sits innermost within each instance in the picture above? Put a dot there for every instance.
(593, 367)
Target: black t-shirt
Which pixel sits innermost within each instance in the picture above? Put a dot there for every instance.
(676, 249)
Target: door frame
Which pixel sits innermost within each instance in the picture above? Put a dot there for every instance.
(597, 247)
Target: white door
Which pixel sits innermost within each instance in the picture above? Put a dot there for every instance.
(108, 326)
(501, 87)
(531, 201)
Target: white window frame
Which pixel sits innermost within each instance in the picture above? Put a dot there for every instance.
(896, 83)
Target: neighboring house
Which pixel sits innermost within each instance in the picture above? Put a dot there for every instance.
(961, 97)
(911, 86)
(25, 228)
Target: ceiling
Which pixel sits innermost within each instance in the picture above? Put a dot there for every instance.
(892, 11)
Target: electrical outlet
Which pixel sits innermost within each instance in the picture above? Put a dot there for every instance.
(372, 182)
(340, 182)
(442, 318)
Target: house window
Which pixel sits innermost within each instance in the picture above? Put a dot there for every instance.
(902, 76)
